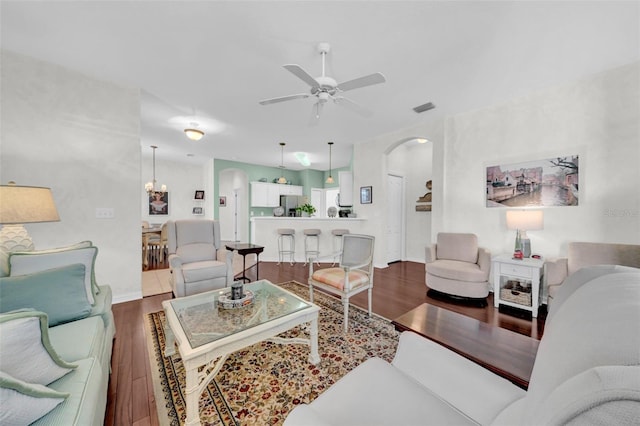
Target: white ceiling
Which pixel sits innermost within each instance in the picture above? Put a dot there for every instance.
(216, 59)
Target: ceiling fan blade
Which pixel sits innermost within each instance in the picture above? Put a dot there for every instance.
(357, 83)
(349, 104)
(299, 72)
(284, 98)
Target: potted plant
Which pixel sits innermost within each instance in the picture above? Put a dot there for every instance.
(306, 210)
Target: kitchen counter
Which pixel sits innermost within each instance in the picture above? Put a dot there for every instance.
(331, 219)
(264, 231)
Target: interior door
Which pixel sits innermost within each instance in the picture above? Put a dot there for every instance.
(395, 218)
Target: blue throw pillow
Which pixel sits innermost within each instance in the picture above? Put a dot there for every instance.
(59, 292)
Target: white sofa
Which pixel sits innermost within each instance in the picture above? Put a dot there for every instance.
(587, 371)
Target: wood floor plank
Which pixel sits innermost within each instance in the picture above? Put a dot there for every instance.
(140, 399)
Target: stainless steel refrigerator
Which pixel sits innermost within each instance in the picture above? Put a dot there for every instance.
(289, 203)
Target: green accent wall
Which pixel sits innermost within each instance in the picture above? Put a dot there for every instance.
(308, 178)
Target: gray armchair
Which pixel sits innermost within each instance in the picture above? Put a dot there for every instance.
(193, 257)
(456, 267)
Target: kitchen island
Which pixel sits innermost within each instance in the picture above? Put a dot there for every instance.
(264, 231)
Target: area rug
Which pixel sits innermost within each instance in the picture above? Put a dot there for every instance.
(261, 384)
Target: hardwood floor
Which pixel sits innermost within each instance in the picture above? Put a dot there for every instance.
(397, 289)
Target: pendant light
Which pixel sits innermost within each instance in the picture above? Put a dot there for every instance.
(150, 187)
(282, 179)
(330, 178)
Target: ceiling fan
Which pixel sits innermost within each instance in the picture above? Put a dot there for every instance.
(325, 87)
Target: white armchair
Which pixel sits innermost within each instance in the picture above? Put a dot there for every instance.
(458, 268)
(193, 257)
(352, 276)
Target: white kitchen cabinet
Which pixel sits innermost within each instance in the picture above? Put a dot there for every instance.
(265, 194)
(346, 188)
(290, 190)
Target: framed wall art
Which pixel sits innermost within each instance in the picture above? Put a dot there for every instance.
(199, 195)
(198, 211)
(538, 183)
(223, 201)
(159, 204)
(366, 195)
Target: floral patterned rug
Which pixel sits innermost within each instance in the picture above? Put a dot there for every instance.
(262, 383)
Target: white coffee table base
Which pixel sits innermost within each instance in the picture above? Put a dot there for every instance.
(215, 354)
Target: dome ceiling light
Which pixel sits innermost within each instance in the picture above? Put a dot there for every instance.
(193, 132)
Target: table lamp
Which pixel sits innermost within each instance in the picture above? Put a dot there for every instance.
(19, 205)
(523, 221)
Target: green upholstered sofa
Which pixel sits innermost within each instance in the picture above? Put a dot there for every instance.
(77, 334)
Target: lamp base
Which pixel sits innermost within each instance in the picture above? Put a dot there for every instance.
(15, 238)
(526, 247)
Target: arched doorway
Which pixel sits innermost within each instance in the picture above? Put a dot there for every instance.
(408, 230)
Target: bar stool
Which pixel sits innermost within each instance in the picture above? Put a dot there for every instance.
(337, 243)
(290, 235)
(309, 234)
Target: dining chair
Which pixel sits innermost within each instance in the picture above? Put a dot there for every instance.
(163, 243)
(353, 275)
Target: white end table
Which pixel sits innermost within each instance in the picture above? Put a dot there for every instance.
(516, 282)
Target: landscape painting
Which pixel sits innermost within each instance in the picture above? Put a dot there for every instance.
(539, 183)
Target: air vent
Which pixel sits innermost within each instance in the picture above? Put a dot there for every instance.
(424, 107)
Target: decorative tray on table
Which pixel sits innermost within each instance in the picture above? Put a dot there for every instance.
(226, 302)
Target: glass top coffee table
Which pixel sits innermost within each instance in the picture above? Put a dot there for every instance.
(206, 334)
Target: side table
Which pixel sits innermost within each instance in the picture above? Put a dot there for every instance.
(244, 249)
(516, 282)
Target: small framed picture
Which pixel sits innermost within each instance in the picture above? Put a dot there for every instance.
(159, 203)
(365, 195)
(223, 201)
(199, 195)
(198, 211)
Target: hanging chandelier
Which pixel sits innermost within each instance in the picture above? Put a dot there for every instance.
(282, 179)
(150, 187)
(330, 178)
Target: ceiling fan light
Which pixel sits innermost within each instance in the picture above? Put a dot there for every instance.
(194, 134)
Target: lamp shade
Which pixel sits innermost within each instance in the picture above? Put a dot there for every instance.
(26, 204)
(525, 220)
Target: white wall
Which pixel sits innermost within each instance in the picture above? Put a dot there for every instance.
(80, 137)
(596, 117)
(182, 180)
